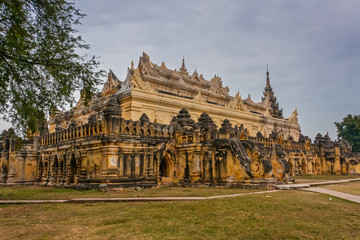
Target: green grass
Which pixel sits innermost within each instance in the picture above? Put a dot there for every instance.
(321, 178)
(278, 215)
(351, 187)
(39, 192)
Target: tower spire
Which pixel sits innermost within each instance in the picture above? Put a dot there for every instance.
(270, 99)
(183, 68)
(268, 86)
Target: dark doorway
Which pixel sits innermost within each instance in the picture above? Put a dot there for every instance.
(164, 169)
(55, 169)
(72, 169)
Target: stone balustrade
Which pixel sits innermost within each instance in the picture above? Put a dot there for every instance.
(126, 127)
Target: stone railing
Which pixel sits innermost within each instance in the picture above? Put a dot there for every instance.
(100, 128)
(72, 133)
(287, 145)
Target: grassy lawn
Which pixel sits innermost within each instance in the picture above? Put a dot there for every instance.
(39, 192)
(321, 178)
(278, 215)
(351, 187)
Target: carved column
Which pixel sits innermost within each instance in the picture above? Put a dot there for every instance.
(52, 171)
(128, 164)
(156, 164)
(150, 165)
(84, 166)
(132, 164)
(142, 164)
(104, 164)
(196, 166)
(121, 164)
(212, 169)
(44, 169)
(4, 166)
(137, 164)
(12, 168)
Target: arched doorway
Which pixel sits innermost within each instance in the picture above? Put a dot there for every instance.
(166, 169)
(72, 169)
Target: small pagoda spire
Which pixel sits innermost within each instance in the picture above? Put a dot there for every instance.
(268, 86)
(183, 68)
(270, 98)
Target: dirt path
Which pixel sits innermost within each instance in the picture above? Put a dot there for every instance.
(141, 199)
(304, 187)
(342, 195)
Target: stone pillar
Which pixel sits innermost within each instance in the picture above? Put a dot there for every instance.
(132, 164)
(156, 164)
(128, 164)
(12, 168)
(137, 164)
(44, 170)
(196, 166)
(84, 166)
(52, 171)
(150, 164)
(142, 164)
(4, 166)
(213, 167)
(66, 161)
(104, 164)
(121, 159)
(337, 164)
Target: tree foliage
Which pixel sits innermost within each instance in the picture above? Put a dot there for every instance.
(349, 129)
(41, 67)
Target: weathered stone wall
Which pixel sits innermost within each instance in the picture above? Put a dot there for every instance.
(119, 152)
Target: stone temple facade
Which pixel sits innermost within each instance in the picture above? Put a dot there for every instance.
(162, 126)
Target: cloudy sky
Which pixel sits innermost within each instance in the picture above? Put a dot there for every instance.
(312, 48)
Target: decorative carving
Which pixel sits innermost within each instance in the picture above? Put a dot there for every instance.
(226, 127)
(293, 117)
(134, 81)
(184, 119)
(217, 87)
(199, 97)
(206, 123)
(146, 66)
(112, 85)
(144, 118)
(267, 113)
(237, 104)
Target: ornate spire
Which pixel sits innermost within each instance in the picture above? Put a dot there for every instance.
(270, 100)
(268, 86)
(183, 68)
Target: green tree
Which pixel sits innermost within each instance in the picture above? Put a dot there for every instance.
(40, 64)
(349, 129)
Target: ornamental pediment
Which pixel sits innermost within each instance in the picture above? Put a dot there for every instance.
(217, 87)
(237, 103)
